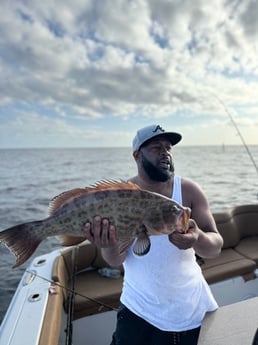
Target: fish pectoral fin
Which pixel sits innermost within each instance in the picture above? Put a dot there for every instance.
(69, 240)
(124, 245)
(142, 244)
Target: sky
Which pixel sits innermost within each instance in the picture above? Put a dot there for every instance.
(89, 73)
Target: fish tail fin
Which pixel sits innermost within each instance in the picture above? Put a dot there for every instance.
(21, 240)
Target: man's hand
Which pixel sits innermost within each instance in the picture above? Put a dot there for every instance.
(101, 232)
(185, 240)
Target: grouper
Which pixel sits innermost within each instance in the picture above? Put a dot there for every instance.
(136, 214)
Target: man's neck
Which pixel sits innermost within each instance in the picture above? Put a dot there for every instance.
(165, 188)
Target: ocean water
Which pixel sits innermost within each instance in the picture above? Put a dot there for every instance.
(31, 177)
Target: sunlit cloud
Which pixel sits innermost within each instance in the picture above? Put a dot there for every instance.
(107, 65)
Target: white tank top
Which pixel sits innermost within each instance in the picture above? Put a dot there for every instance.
(166, 287)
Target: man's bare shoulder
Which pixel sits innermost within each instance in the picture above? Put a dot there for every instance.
(189, 184)
(192, 192)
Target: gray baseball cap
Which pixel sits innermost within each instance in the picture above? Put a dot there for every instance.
(146, 133)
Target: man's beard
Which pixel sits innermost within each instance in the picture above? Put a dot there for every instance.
(156, 173)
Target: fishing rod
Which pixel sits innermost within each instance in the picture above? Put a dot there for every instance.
(70, 290)
(238, 132)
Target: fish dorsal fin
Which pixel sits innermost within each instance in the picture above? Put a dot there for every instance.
(113, 185)
(64, 198)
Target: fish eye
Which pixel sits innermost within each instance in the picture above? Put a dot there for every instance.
(174, 208)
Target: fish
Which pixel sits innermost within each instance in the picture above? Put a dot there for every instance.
(135, 212)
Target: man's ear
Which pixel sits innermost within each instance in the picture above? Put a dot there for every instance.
(136, 155)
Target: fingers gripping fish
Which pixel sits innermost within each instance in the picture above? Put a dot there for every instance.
(136, 213)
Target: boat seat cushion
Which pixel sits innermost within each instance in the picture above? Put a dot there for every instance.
(246, 220)
(95, 294)
(227, 229)
(227, 265)
(248, 247)
(86, 254)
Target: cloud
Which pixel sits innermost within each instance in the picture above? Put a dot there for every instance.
(47, 131)
(121, 59)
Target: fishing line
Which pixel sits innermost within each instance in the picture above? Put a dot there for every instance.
(73, 291)
(238, 132)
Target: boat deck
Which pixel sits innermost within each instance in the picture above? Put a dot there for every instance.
(234, 324)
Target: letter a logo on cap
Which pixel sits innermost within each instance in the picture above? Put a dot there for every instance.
(158, 128)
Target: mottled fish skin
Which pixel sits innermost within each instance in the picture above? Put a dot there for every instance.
(135, 213)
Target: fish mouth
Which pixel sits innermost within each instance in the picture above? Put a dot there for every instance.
(183, 221)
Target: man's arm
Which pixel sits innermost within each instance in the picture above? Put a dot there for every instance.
(202, 234)
(104, 236)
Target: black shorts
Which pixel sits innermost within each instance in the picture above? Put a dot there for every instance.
(133, 330)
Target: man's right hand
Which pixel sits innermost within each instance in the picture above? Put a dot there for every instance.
(101, 232)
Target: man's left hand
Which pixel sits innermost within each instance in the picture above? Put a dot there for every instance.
(185, 240)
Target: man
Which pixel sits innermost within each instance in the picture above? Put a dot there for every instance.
(165, 295)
